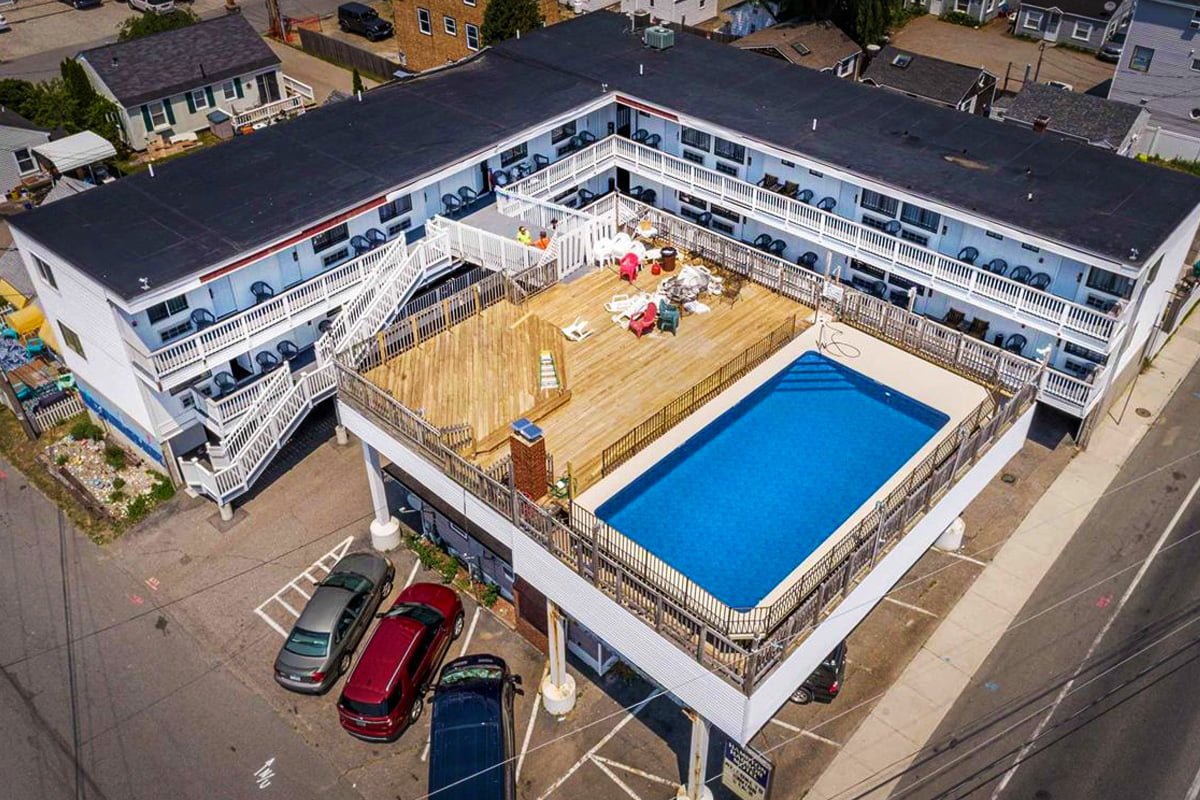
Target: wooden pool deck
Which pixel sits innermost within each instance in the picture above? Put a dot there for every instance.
(485, 371)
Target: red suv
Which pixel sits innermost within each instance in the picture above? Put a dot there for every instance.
(386, 690)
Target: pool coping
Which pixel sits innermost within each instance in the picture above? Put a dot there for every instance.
(904, 372)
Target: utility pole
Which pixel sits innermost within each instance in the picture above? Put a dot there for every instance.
(275, 21)
(13, 403)
(1007, 70)
(1038, 70)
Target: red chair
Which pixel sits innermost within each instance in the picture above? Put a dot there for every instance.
(629, 267)
(644, 320)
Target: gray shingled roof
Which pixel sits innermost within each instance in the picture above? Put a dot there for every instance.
(1080, 8)
(924, 76)
(11, 119)
(826, 43)
(1096, 120)
(175, 61)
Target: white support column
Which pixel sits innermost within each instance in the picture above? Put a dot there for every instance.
(226, 510)
(343, 436)
(558, 687)
(385, 529)
(696, 785)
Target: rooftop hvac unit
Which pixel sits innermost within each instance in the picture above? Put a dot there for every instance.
(657, 37)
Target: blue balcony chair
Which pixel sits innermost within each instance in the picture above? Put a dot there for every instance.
(1040, 281)
(360, 244)
(997, 266)
(968, 255)
(649, 196)
(202, 318)
(376, 237)
(777, 247)
(1016, 343)
(287, 350)
(1021, 274)
(267, 360)
(586, 196)
(467, 195)
(653, 141)
(587, 137)
(827, 204)
(225, 382)
(452, 203)
(808, 260)
(668, 319)
(640, 135)
(262, 291)
(891, 227)
(805, 195)
(540, 162)
(704, 219)
(636, 192)
(763, 241)
(501, 178)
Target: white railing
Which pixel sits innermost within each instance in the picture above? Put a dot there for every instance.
(295, 87)
(240, 330)
(1039, 309)
(268, 111)
(223, 409)
(284, 398)
(489, 250)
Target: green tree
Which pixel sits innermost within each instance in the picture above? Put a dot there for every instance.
(502, 19)
(356, 84)
(147, 24)
(14, 94)
(865, 21)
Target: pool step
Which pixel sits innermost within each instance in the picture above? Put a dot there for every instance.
(547, 371)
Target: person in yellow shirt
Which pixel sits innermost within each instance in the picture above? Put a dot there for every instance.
(543, 240)
(523, 236)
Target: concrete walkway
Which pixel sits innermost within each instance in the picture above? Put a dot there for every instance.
(911, 710)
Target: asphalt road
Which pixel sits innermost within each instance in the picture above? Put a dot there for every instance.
(103, 695)
(1092, 693)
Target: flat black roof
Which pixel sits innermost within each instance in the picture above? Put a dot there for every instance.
(235, 197)
(1082, 196)
(217, 204)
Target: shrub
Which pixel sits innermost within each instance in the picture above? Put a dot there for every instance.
(61, 460)
(162, 490)
(491, 593)
(114, 456)
(137, 509)
(86, 429)
(448, 568)
(118, 483)
(959, 18)
(116, 497)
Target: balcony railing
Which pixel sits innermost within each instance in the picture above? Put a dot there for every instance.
(291, 104)
(224, 409)
(1039, 309)
(295, 87)
(260, 323)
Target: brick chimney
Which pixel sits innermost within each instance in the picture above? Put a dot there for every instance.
(527, 445)
(1040, 123)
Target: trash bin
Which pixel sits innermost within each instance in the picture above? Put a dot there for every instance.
(220, 124)
(667, 254)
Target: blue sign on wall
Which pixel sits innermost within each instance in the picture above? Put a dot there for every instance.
(117, 422)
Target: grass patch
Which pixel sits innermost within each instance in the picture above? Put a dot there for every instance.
(130, 167)
(1177, 164)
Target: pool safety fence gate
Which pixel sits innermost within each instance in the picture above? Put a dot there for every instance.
(696, 395)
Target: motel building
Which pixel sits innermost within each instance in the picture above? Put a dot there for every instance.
(874, 298)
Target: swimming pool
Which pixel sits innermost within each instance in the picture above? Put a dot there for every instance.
(740, 504)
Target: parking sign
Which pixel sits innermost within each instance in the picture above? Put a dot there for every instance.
(746, 772)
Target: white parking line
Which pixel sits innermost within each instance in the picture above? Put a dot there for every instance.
(803, 732)
(624, 786)
(333, 556)
(911, 607)
(535, 705)
(596, 747)
(413, 574)
(634, 770)
(963, 557)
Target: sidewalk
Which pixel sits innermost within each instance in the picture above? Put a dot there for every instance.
(909, 713)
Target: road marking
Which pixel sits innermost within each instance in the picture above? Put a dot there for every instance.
(470, 632)
(624, 786)
(333, 556)
(963, 557)
(634, 770)
(1194, 789)
(803, 732)
(413, 574)
(263, 774)
(911, 607)
(1066, 689)
(152, 583)
(537, 701)
(596, 747)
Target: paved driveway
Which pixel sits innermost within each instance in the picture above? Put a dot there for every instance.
(994, 49)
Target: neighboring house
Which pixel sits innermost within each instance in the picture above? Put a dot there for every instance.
(1159, 70)
(982, 10)
(18, 137)
(735, 17)
(1083, 117)
(66, 187)
(933, 80)
(822, 46)
(169, 82)
(433, 33)
(1082, 23)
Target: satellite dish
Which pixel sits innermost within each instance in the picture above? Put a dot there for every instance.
(1110, 6)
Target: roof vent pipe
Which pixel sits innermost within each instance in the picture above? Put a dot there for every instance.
(203, 74)
(360, 95)
(814, 123)
(151, 165)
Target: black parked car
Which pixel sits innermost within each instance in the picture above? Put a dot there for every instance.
(472, 739)
(363, 20)
(826, 681)
(83, 3)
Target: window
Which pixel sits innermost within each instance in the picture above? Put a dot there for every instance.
(1196, 65)
(1141, 58)
(993, 235)
(1031, 248)
(327, 239)
(1083, 352)
(991, 6)
(1194, 113)
(879, 202)
(157, 313)
(693, 156)
(424, 21)
(728, 169)
(402, 225)
(1082, 32)
(199, 99)
(723, 227)
(175, 331)
(816, 174)
(915, 238)
(469, 2)
(1110, 282)
(335, 256)
(786, 163)
(562, 132)
(694, 138)
(687, 199)
(514, 154)
(1033, 20)
(450, 25)
(1194, 24)
(44, 270)
(401, 205)
(867, 269)
(417, 656)
(25, 162)
(873, 222)
(915, 215)
(472, 36)
(718, 211)
(730, 151)
(845, 67)
(158, 114)
(229, 90)
(459, 531)
(71, 339)
(962, 6)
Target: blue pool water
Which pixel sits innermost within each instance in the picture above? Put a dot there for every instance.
(741, 503)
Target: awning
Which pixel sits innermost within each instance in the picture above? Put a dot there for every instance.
(76, 150)
(26, 320)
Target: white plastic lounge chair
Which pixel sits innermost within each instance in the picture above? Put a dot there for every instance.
(617, 304)
(578, 330)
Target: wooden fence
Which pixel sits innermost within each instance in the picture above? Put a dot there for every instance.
(347, 55)
(46, 418)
